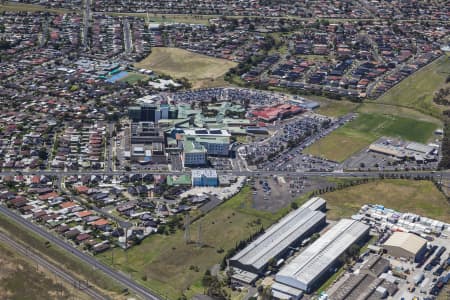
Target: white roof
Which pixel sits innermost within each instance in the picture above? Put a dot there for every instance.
(304, 269)
(314, 203)
(422, 148)
(278, 237)
(204, 172)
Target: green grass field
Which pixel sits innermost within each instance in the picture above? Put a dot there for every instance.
(421, 197)
(199, 69)
(334, 108)
(367, 128)
(133, 78)
(166, 260)
(417, 91)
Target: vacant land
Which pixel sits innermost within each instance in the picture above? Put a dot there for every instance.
(334, 108)
(10, 6)
(171, 18)
(417, 91)
(20, 279)
(398, 111)
(170, 266)
(356, 135)
(199, 69)
(421, 197)
(60, 257)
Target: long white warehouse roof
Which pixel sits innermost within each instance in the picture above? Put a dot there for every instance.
(278, 237)
(307, 267)
(314, 203)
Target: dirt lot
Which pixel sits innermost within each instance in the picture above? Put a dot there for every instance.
(201, 70)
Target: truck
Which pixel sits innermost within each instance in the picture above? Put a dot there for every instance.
(418, 279)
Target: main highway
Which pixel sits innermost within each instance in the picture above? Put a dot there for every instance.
(127, 281)
(257, 173)
(119, 277)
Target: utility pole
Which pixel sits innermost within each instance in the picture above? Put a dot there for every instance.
(199, 241)
(187, 233)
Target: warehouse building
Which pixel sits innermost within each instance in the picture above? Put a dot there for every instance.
(276, 241)
(316, 203)
(318, 261)
(405, 245)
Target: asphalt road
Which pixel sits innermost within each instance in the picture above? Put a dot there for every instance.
(91, 292)
(257, 173)
(127, 36)
(119, 277)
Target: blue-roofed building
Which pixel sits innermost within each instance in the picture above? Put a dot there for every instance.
(205, 177)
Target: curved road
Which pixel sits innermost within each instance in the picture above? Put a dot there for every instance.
(119, 277)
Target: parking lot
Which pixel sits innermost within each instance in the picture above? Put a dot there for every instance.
(366, 159)
(272, 193)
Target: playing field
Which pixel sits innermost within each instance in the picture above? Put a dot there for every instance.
(166, 260)
(421, 197)
(354, 136)
(199, 69)
(417, 90)
(133, 78)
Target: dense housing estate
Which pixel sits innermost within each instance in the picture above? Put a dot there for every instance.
(104, 153)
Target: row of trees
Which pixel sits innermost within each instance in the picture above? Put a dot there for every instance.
(239, 246)
(445, 160)
(442, 96)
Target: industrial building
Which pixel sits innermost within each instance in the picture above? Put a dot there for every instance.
(366, 284)
(276, 241)
(405, 245)
(405, 150)
(312, 266)
(316, 203)
(205, 177)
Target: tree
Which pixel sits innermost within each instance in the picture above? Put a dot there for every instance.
(43, 154)
(207, 278)
(294, 205)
